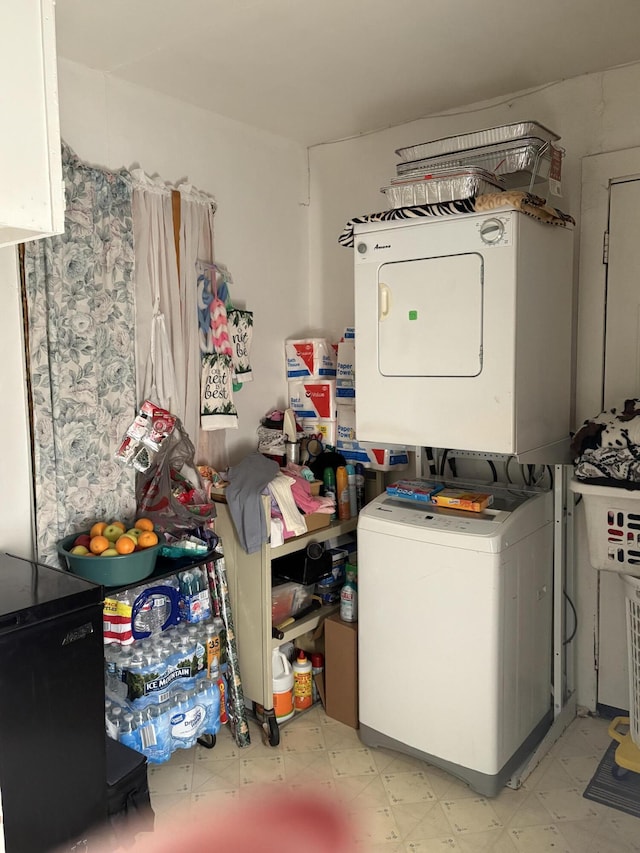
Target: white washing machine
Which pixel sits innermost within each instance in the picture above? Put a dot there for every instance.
(455, 631)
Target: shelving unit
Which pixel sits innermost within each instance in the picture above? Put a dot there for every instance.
(249, 579)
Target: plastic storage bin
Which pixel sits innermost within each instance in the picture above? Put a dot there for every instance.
(613, 527)
(288, 599)
(632, 595)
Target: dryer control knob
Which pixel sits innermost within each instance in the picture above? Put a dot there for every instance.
(362, 248)
(492, 231)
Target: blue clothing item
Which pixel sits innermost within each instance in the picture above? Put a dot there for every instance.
(247, 480)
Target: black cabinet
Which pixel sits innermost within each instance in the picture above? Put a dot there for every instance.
(52, 745)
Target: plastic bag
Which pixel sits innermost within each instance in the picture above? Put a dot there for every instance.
(170, 492)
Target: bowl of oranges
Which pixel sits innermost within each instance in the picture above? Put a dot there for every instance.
(112, 553)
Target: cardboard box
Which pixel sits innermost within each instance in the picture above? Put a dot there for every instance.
(459, 499)
(317, 520)
(414, 490)
(341, 670)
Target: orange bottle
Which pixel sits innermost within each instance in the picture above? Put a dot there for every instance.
(342, 493)
(302, 683)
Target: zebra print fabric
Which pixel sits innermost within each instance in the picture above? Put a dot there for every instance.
(443, 208)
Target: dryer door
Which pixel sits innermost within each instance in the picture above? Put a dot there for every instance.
(430, 316)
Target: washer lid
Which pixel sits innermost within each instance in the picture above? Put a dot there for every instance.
(492, 530)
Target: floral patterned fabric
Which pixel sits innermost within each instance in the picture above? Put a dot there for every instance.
(81, 318)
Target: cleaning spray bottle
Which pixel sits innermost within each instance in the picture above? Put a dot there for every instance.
(330, 489)
(342, 493)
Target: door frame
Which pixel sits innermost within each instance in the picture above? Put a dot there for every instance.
(598, 170)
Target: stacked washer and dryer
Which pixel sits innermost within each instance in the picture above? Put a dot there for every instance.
(463, 341)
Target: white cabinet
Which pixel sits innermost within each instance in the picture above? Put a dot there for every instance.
(249, 579)
(31, 188)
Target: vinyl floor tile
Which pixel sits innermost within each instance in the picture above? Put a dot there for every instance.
(397, 803)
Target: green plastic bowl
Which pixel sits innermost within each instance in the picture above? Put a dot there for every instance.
(122, 570)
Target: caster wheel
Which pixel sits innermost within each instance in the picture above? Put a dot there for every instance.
(619, 772)
(271, 732)
(208, 741)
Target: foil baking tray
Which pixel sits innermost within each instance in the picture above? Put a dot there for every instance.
(517, 163)
(441, 185)
(490, 136)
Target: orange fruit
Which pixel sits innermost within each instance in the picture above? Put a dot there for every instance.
(147, 539)
(99, 544)
(97, 528)
(119, 524)
(125, 545)
(144, 524)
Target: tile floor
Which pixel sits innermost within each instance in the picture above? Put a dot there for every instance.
(400, 804)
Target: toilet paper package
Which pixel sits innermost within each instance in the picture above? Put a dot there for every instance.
(310, 358)
(325, 427)
(313, 398)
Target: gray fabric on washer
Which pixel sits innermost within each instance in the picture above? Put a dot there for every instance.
(247, 480)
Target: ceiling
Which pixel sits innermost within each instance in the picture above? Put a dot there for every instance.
(321, 70)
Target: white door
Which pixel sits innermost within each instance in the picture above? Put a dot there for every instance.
(430, 316)
(609, 366)
(622, 338)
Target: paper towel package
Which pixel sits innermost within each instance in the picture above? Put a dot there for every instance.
(381, 459)
(346, 372)
(310, 357)
(346, 430)
(313, 398)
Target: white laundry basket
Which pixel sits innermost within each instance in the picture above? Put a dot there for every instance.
(632, 594)
(613, 526)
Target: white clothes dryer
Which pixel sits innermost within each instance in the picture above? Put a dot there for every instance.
(463, 333)
(455, 631)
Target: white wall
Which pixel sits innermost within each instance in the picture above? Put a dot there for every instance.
(592, 114)
(260, 183)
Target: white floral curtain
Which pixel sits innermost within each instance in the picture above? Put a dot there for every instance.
(80, 331)
(197, 210)
(160, 351)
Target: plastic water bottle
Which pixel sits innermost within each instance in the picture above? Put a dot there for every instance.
(122, 667)
(113, 722)
(111, 654)
(128, 734)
